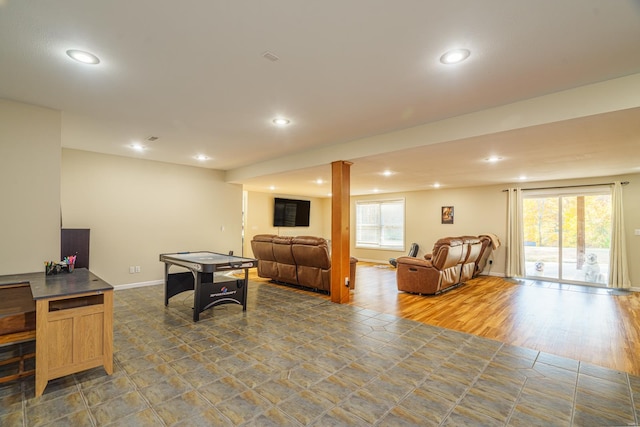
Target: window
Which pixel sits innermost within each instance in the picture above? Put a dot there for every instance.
(380, 224)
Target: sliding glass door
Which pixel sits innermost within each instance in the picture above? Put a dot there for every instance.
(567, 236)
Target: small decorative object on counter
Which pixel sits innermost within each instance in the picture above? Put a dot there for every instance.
(69, 262)
(52, 267)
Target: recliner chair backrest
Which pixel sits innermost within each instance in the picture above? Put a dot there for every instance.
(447, 253)
(284, 258)
(311, 251)
(262, 247)
(313, 262)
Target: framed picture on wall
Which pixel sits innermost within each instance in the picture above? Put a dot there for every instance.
(447, 214)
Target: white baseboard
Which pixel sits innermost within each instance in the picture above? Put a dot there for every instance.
(494, 274)
(138, 284)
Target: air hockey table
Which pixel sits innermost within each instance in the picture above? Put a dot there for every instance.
(215, 278)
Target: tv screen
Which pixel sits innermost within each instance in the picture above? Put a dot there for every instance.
(291, 213)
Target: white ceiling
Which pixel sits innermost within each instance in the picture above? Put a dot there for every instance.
(193, 74)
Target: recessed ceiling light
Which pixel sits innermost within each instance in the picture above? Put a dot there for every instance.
(272, 187)
(84, 57)
(387, 173)
(436, 185)
(201, 157)
(375, 190)
(319, 181)
(281, 121)
(522, 177)
(455, 56)
(493, 159)
(137, 147)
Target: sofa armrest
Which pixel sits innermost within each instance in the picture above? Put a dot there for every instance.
(414, 261)
(428, 257)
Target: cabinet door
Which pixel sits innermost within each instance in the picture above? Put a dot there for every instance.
(75, 339)
(60, 342)
(88, 336)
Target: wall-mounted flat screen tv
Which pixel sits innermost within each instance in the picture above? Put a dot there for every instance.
(291, 213)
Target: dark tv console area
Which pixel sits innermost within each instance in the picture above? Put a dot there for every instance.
(75, 241)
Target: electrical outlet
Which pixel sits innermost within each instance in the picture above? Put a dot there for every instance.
(132, 269)
(137, 269)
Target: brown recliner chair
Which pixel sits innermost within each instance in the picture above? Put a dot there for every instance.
(438, 272)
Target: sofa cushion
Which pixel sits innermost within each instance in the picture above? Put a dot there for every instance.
(313, 262)
(284, 258)
(311, 252)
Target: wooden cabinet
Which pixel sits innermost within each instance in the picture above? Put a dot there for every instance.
(73, 333)
(73, 321)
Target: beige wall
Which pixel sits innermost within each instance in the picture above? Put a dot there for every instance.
(259, 218)
(137, 209)
(483, 210)
(30, 177)
(478, 210)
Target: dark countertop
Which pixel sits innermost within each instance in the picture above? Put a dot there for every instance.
(42, 286)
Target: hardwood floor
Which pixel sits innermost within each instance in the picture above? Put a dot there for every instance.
(597, 326)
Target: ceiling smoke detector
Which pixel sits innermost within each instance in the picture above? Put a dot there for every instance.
(270, 56)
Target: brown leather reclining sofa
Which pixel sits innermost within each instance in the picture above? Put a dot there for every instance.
(300, 260)
(453, 261)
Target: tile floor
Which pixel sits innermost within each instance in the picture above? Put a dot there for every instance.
(297, 360)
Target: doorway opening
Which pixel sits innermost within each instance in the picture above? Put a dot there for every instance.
(567, 236)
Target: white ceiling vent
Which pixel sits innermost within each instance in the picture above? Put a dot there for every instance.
(270, 56)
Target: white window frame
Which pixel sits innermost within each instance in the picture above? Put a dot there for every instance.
(379, 226)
